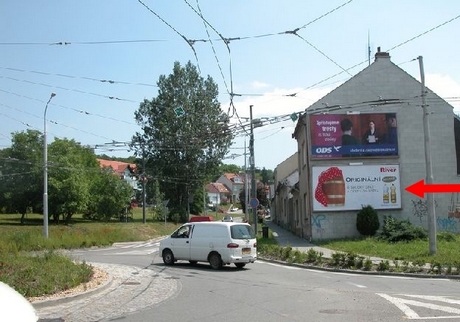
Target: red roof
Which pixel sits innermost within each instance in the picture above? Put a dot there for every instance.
(117, 166)
(216, 187)
(231, 176)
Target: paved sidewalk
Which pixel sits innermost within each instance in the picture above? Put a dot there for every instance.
(286, 238)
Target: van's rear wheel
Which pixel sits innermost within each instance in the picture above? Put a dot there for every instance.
(215, 261)
(168, 257)
(240, 265)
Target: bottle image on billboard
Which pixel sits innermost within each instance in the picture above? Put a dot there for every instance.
(393, 193)
(386, 194)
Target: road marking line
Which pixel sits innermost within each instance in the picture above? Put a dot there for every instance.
(357, 285)
(434, 298)
(277, 265)
(402, 304)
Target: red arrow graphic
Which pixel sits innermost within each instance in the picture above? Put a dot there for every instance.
(420, 188)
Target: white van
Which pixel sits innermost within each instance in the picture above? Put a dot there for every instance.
(219, 243)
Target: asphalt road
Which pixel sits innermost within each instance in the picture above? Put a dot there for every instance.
(143, 289)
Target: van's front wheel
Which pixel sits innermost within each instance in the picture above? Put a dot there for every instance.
(168, 257)
(215, 261)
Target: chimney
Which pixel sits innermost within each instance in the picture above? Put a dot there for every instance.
(380, 54)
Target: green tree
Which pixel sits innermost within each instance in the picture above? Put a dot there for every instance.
(267, 176)
(71, 167)
(110, 196)
(184, 133)
(367, 221)
(158, 209)
(21, 178)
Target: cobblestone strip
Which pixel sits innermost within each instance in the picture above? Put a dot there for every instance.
(132, 289)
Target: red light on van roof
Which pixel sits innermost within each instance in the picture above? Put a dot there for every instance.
(232, 245)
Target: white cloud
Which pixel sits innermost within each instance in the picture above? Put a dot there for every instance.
(278, 102)
(446, 87)
(259, 85)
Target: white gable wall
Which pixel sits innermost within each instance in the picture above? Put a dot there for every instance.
(385, 80)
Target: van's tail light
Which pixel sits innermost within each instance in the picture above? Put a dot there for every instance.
(232, 245)
(255, 245)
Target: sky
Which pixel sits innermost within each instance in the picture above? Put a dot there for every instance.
(103, 58)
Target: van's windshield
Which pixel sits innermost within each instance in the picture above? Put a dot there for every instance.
(242, 232)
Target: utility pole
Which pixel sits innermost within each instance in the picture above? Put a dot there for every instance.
(246, 185)
(144, 179)
(253, 173)
(205, 208)
(429, 169)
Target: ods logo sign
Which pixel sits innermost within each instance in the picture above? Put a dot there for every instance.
(323, 150)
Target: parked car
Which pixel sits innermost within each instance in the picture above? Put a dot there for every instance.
(219, 243)
(227, 218)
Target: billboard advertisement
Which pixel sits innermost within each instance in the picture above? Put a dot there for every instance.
(337, 188)
(353, 135)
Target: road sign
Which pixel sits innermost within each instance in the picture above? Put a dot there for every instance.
(179, 111)
(254, 202)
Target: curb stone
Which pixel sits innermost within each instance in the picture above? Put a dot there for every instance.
(360, 272)
(72, 297)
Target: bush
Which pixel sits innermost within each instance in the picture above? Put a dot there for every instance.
(395, 230)
(446, 236)
(312, 256)
(383, 266)
(367, 221)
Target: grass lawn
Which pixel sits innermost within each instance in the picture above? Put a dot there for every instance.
(30, 264)
(447, 249)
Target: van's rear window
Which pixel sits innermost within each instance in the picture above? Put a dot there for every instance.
(242, 232)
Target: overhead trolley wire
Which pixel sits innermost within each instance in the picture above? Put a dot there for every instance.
(189, 42)
(108, 81)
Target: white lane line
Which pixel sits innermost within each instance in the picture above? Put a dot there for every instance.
(402, 304)
(434, 298)
(134, 252)
(357, 285)
(278, 265)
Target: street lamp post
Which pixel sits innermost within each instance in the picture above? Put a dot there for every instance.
(45, 172)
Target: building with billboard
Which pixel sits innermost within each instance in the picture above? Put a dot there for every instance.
(364, 143)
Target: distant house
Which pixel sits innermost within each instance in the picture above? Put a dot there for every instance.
(125, 171)
(234, 182)
(217, 193)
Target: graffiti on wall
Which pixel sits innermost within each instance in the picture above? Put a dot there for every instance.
(420, 208)
(448, 224)
(319, 223)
